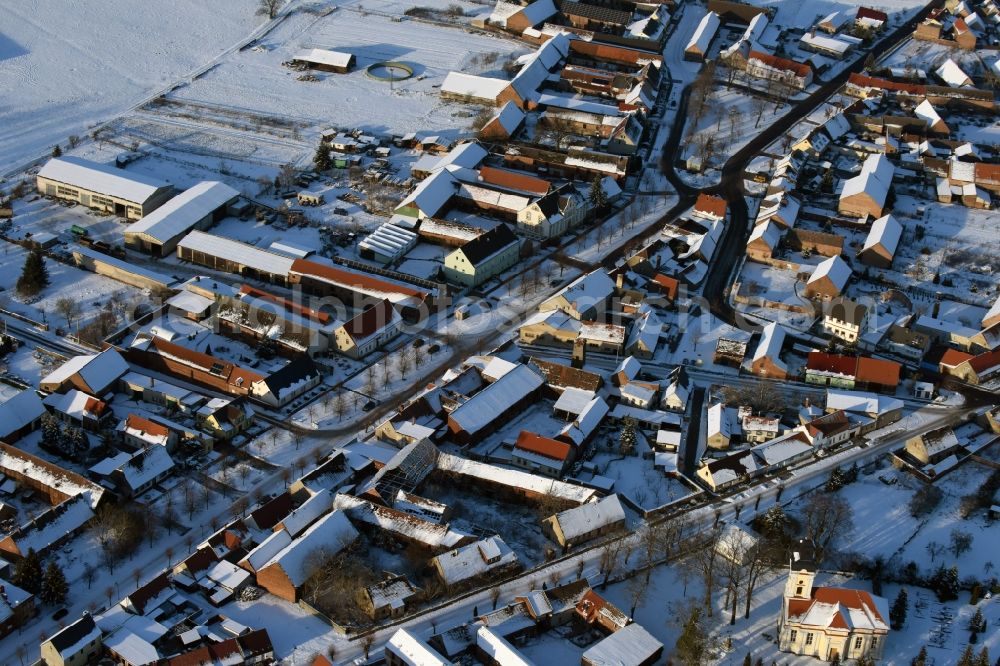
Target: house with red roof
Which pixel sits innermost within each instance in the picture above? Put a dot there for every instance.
(975, 370)
(828, 622)
(762, 65)
(541, 454)
(709, 207)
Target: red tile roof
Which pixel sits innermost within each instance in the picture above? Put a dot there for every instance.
(667, 284)
(370, 322)
(95, 406)
(514, 180)
(869, 13)
(985, 361)
(288, 305)
(233, 374)
(850, 599)
(798, 68)
(987, 173)
(142, 424)
(352, 279)
(878, 371)
(711, 205)
(823, 362)
(862, 81)
(543, 446)
(954, 357)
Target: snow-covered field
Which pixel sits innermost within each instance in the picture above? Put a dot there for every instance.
(67, 65)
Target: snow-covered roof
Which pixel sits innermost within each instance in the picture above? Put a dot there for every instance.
(645, 332)
(631, 645)
(237, 252)
(410, 527)
(638, 392)
(952, 74)
(766, 232)
(837, 126)
(139, 468)
(590, 517)
(98, 371)
(484, 407)
(498, 650)
(53, 525)
(431, 195)
(785, 447)
(598, 331)
(310, 510)
(514, 478)
(772, 338)
(587, 421)
(227, 574)
(510, 117)
(470, 561)
(587, 290)
(835, 19)
(334, 532)
(886, 231)
(103, 178)
(860, 402)
(718, 421)
(20, 410)
(926, 111)
(651, 416)
(265, 551)
(476, 87)
(875, 179)
(389, 240)
(182, 212)
(825, 43)
(48, 474)
(834, 268)
(325, 57)
(412, 651)
(573, 400)
(704, 33)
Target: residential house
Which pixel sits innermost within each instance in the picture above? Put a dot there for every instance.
(586, 298)
(552, 328)
(586, 522)
(20, 414)
(932, 447)
(16, 607)
(78, 644)
(483, 257)
(79, 409)
(698, 46)
(763, 242)
(814, 242)
(472, 563)
(405, 649)
(881, 243)
(828, 279)
(95, 374)
(224, 418)
(630, 646)
(138, 432)
(766, 361)
(719, 431)
(293, 379)
(133, 474)
(979, 369)
(793, 74)
(845, 319)
(866, 194)
(388, 598)
(368, 331)
(541, 454)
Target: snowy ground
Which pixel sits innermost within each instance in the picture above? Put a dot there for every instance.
(65, 66)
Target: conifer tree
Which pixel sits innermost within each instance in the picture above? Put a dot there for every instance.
(598, 197)
(28, 572)
(897, 614)
(321, 160)
(56, 151)
(34, 275)
(921, 658)
(54, 587)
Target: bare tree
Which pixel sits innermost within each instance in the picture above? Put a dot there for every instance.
(705, 562)
(935, 550)
(268, 8)
(169, 552)
(69, 308)
(340, 405)
(495, 596)
(755, 566)
(758, 105)
(735, 544)
(88, 573)
(109, 592)
(824, 518)
(609, 559)
(636, 590)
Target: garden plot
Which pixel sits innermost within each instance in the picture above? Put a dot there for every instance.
(375, 33)
(928, 56)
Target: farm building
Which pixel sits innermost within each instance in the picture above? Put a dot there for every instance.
(587, 521)
(102, 187)
(325, 60)
(517, 18)
(881, 243)
(541, 454)
(471, 563)
(505, 124)
(698, 47)
(387, 244)
(232, 256)
(196, 208)
(123, 271)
